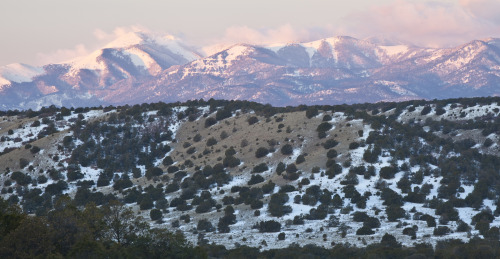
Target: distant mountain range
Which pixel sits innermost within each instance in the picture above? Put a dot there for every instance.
(141, 67)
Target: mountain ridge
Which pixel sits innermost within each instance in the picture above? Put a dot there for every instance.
(141, 67)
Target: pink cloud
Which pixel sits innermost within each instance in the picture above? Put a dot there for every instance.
(61, 55)
(117, 32)
(102, 37)
(282, 34)
(486, 10)
(424, 23)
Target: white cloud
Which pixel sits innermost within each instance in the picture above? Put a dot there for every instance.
(486, 10)
(105, 37)
(428, 23)
(101, 38)
(282, 34)
(424, 23)
(61, 55)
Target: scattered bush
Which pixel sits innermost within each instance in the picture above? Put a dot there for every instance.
(287, 149)
(268, 226)
(353, 145)
(332, 153)
(300, 159)
(324, 127)
(252, 120)
(211, 141)
(262, 167)
(261, 152)
(210, 122)
(364, 231)
(155, 214)
(255, 179)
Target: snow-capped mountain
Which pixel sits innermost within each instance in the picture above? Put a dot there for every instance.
(18, 73)
(141, 67)
(130, 59)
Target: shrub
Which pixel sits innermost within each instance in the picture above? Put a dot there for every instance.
(281, 236)
(223, 114)
(223, 135)
(440, 111)
(332, 153)
(324, 127)
(205, 225)
(300, 159)
(287, 149)
(146, 203)
(197, 138)
(230, 152)
(488, 142)
(191, 150)
(74, 175)
(431, 221)
(35, 149)
(56, 188)
(353, 145)
(371, 222)
(23, 162)
(394, 212)
(268, 226)
(211, 141)
(388, 172)
(311, 112)
(256, 204)
(155, 214)
(426, 110)
(255, 179)
(291, 168)
(409, 232)
(364, 231)
(42, 179)
(231, 161)
(441, 231)
(167, 161)
(330, 144)
(463, 227)
(276, 205)
(20, 178)
(252, 120)
(359, 216)
(268, 187)
(280, 168)
(210, 121)
(333, 170)
(204, 206)
(261, 152)
(389, 240)
(154, 171)
(262, 167)
(172, 169)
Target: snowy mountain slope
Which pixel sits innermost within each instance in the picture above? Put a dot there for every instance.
(132, 58)
(18, 73)
(140, 67)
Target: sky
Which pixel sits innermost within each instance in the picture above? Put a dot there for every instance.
(39, 32)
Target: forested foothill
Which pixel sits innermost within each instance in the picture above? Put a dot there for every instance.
(240, 179)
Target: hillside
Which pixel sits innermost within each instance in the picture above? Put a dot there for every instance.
(240, 173)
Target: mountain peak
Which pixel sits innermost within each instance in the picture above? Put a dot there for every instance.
(18, 72)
